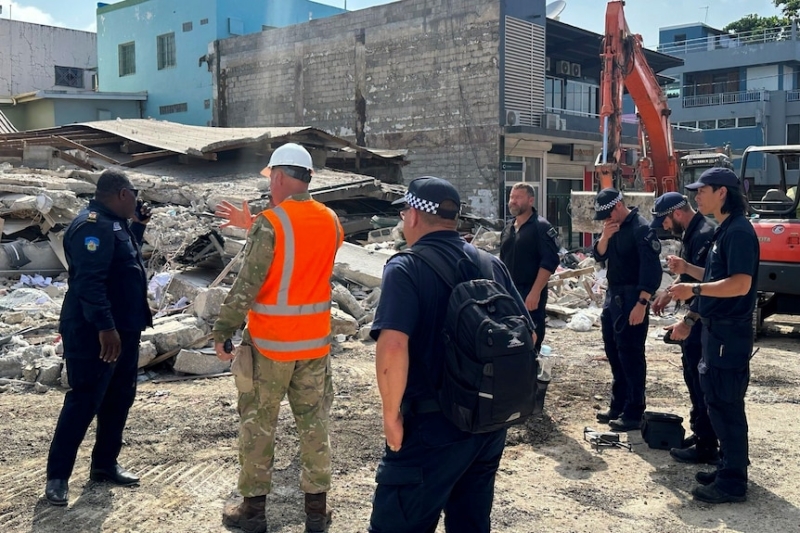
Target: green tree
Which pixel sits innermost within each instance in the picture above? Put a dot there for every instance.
(788, 7)
(755, 22)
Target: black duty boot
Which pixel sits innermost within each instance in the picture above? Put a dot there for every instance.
(57, 491)
(712, 494)
(249, 516)
(604, 417)
(317, 515)
(706, 478)
(696, 454)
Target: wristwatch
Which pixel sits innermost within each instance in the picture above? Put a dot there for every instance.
(689, 321)
(643, 301)
(696, 289)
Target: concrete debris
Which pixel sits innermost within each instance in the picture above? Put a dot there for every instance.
(147, 352)
(208, 302)
(342, 323)
(199, 363)
(172, 334)
(347, 302)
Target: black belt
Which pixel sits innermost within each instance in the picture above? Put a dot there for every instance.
(419, 407)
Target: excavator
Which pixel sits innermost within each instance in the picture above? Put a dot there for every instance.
(659, 168)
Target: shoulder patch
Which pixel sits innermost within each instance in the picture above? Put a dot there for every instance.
(92, 216)
(91, 243)
(117, 226)
(656, 244)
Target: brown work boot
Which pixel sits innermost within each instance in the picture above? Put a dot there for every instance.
(317, 515)
(249, 516)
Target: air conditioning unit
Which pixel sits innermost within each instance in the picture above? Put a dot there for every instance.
(562, 124)
(551, 121)
(575, 70)
(564, 67)
(512, 118)
(547, 64)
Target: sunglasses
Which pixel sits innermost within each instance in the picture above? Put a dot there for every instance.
(134, 191)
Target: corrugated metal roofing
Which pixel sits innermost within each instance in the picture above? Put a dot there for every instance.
(5, 125)
(200, 140)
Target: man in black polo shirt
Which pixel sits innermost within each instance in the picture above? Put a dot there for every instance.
(673, 213)
(727, 298)
(630, 249)
(529, 248)
(428, 465)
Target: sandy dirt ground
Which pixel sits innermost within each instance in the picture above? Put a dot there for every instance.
(181, 440)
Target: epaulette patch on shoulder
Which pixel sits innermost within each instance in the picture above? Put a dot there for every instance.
(92, 216)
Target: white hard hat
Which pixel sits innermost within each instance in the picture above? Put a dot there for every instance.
(291, 155)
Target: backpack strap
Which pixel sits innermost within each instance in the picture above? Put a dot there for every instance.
(445, 269)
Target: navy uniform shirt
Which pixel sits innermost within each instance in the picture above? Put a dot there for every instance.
(414, 301)
(734, 250)
(696, 244)
(524, 252)
(107, 278)
(632, 257)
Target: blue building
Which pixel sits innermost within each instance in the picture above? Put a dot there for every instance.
(739, 89)
(161, 46)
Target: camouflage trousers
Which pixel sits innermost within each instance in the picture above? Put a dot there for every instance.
(309, 387)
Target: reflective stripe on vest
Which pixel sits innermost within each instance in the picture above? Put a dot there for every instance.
(279, 346)
(282, 307)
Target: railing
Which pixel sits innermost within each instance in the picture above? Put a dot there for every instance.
(741, 97)
(730, 40)
(793, 95)
(626, 119)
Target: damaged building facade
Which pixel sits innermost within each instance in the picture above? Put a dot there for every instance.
(466, 86)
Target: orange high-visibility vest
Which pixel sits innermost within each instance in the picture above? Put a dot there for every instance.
(291, 317)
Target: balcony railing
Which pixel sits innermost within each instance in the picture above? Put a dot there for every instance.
(730, 40)
(741, 97)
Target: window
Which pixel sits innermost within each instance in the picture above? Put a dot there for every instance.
(707, 124)
(581, 98)
(206, 104)
(553, 90)
(203, 22)
(792, 137)
(127, 59)
(679, 38)
(691, 124)
(747, 122)
(187, 26)
(166, 50)
(174, 108)
(69, 77)
(725, 123)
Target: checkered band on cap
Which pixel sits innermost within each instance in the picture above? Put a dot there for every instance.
(421, 204)
(609, 205)
(668, 210)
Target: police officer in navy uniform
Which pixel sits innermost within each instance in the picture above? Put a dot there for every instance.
(727, 299)
(529, 248)
(104, 312)
(429, 465)
(630, 249)
(672, 212)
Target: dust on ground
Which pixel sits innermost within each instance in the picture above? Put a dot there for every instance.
(181, 440)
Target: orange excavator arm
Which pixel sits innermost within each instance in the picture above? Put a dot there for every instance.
(625, 67)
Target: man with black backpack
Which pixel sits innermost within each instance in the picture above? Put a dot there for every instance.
(455, 364)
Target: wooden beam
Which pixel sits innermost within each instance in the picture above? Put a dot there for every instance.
(147, 157)
(86, 165)
(89, 151)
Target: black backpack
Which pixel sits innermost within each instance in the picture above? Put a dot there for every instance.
(489, 376)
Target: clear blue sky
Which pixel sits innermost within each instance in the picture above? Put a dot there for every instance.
(644, 16)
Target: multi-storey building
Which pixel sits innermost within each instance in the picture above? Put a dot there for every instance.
(47, 77)
(161, 46)
(482, 93)
(739, 89)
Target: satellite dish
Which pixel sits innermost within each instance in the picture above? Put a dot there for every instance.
(554, 9)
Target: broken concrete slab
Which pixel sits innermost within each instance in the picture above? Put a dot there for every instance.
(208, 302)
(147, 352)
(171, 335)
(359, 265)
(342, 323)
(11, 366)
(198, 363)
(49, 372)
(346, 301)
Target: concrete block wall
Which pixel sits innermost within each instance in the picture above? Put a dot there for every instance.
(421, 75)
